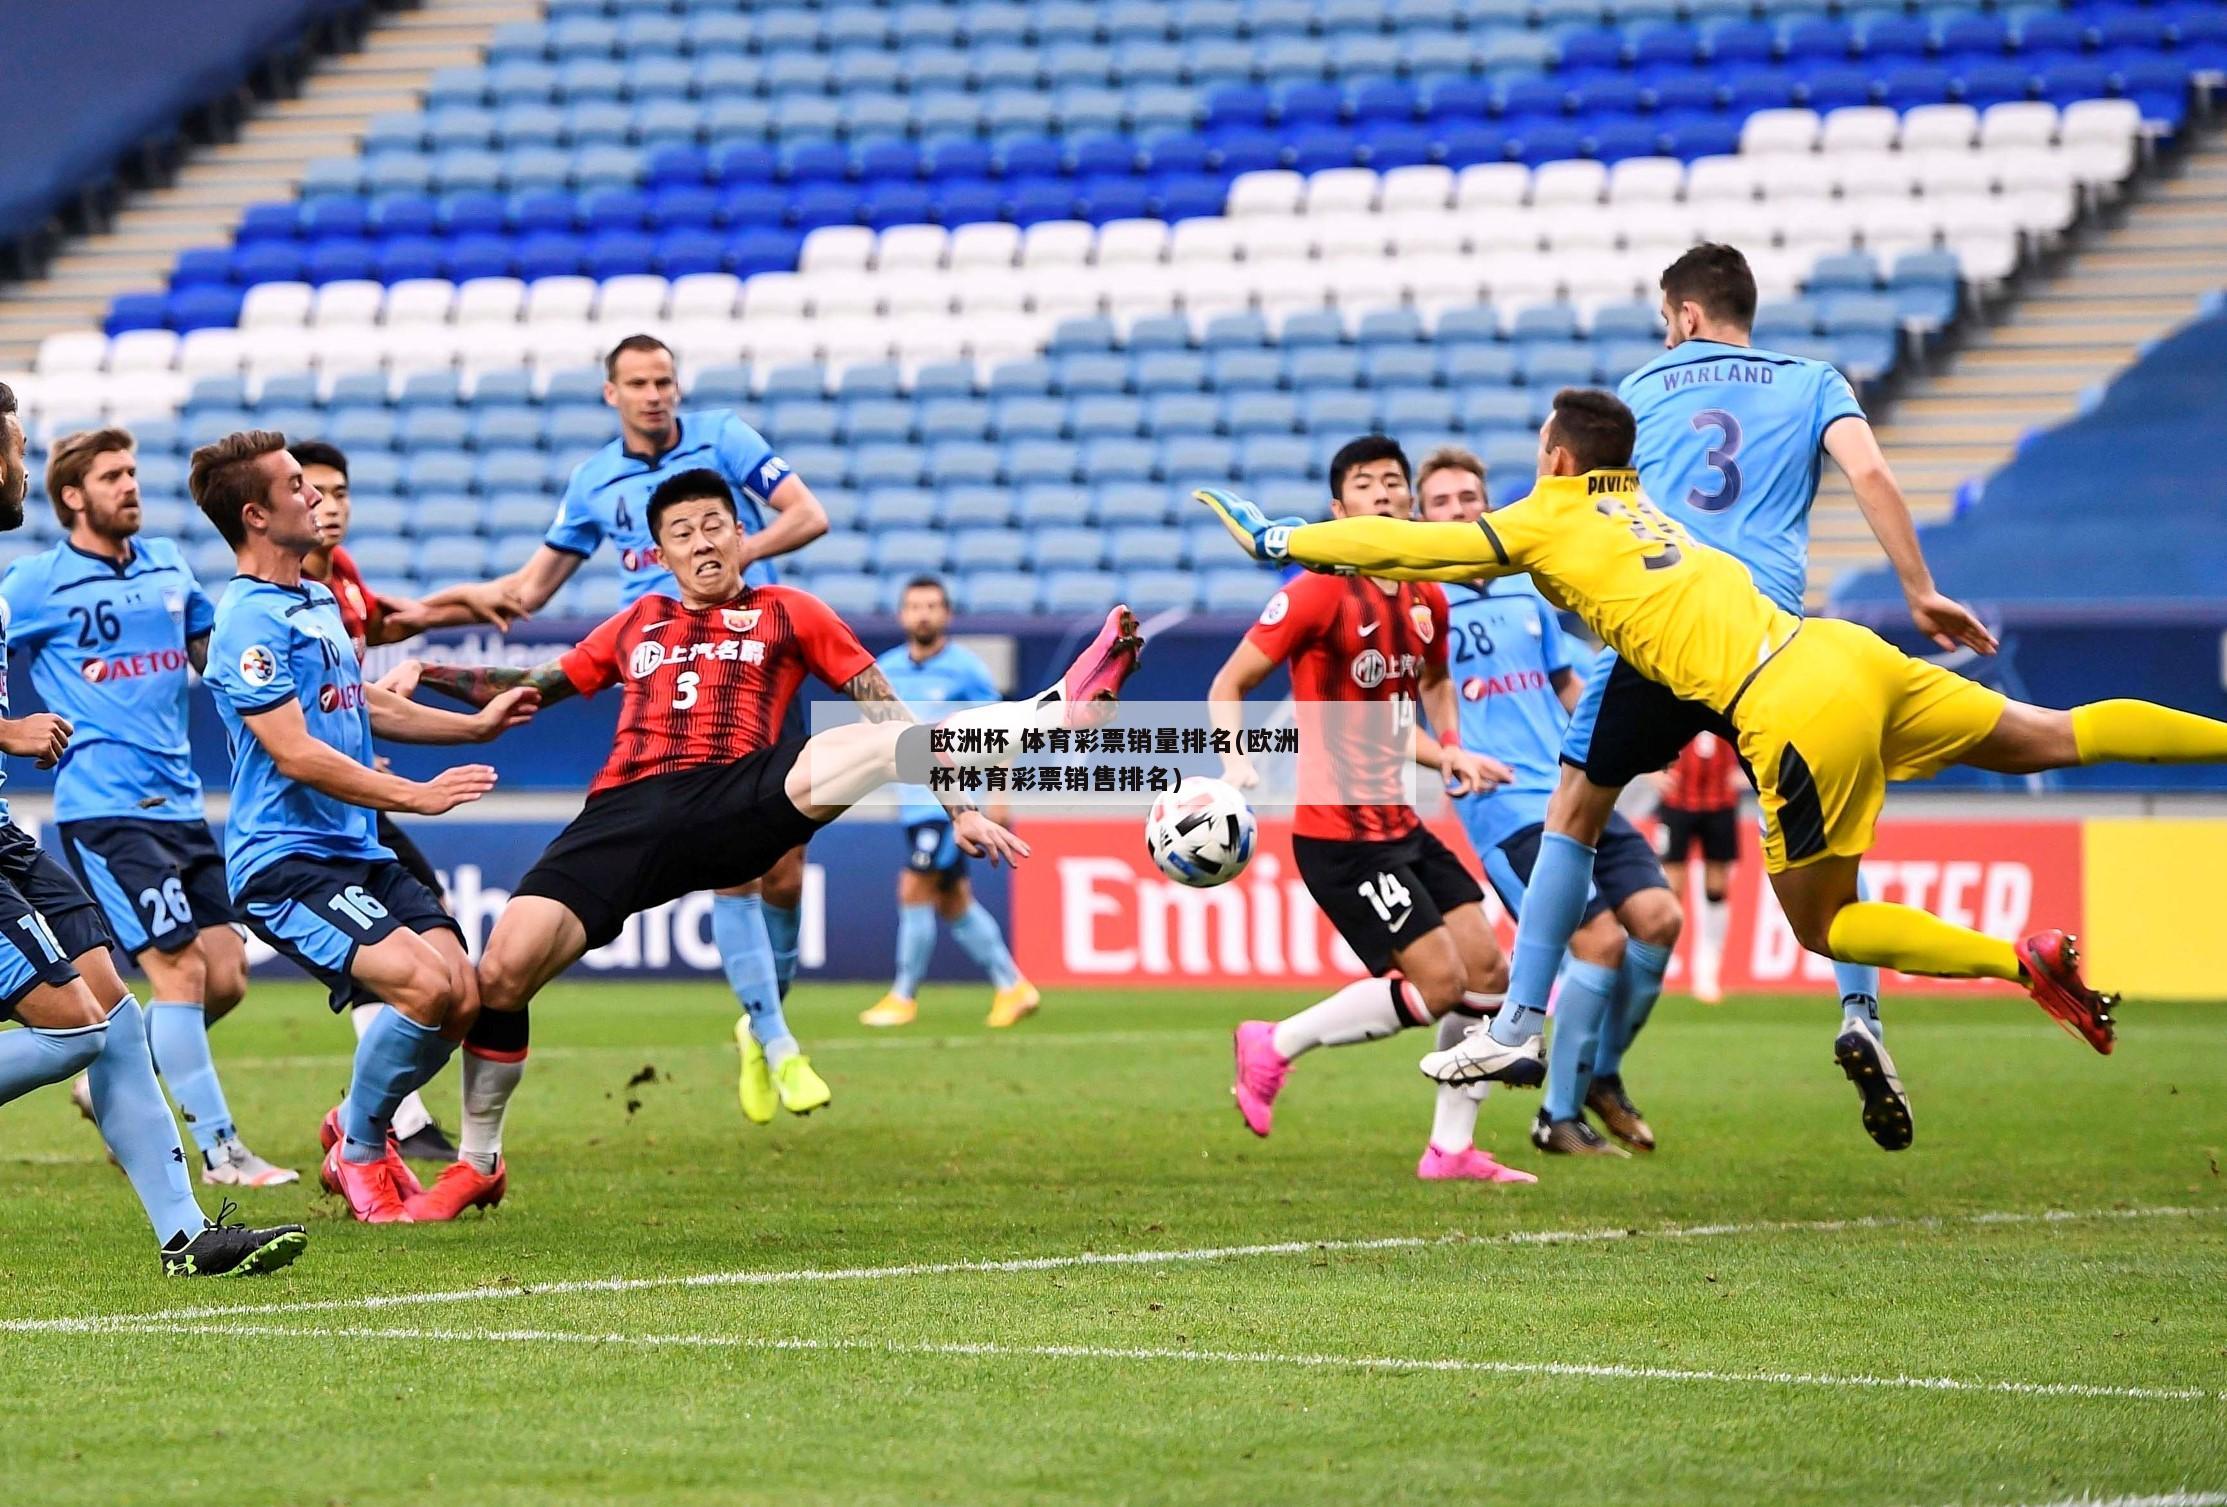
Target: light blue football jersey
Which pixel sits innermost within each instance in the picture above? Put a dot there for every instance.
(106, 640)
(1504, 645)
(950, 678)
(1730, 442)
(275, 644)
(608, 497)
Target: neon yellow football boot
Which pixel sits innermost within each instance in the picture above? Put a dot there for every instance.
(1011, 1006)
(756, 1087)
(802, 1090)
(890, 1010)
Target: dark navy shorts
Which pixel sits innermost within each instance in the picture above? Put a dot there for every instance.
(46, 919)
(933, 848)
(320, 911)
(1626, 725)
(159, 883)
(1623, 865)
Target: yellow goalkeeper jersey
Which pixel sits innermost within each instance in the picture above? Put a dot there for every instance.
(1686, 616)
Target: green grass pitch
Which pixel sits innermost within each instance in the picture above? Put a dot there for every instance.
(1767, 1310)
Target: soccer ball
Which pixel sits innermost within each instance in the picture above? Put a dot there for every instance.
(1200, 833)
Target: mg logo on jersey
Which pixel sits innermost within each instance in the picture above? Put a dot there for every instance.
(739, 619)
(339, 698)
(132, 666)
(1368, 669)
(1420, 615)
(647, 656)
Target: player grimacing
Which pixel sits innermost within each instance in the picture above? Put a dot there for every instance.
(1827, 712)
(1398, 895)
(702, 790)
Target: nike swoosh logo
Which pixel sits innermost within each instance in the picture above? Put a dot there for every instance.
(1368, 628)
(649, 628)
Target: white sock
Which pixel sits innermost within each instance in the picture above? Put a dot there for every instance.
(1364, 1010)
(1454, 1110)
(488, 1085)
(1716, 924)
(778, 1051)
(411, 1115)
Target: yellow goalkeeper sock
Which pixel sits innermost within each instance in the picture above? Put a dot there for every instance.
(1916, 941)
(2141, 732)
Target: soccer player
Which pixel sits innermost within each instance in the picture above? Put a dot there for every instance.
(59, 984)
(707, 678)
(1701, 809)
(929, 669)
(1826, 712)
(608, 499)
(302, 853)
(1730, 439)
(112, 624)
(1398, 896)
(1511, 669)
(374, 617)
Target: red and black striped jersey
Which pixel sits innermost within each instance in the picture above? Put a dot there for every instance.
(1705, 777)
(707, 685)
(1349, 639)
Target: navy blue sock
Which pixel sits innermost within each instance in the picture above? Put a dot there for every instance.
(178, 1035)
(395, 1056)
(1639, 985)
(738, 925)
(1581, 1012)
(782, 925)
(916, 943)
(135, 1121)
(33, 1058)
(1553, 905)
(977, 932)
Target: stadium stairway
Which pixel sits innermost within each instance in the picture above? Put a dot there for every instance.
(2074, 321)
(400, 54)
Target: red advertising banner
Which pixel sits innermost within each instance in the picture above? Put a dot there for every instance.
(1088, 907)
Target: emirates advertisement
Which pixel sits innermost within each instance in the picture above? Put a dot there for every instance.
(1093, 910)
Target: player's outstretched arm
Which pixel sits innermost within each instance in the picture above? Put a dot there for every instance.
(1465, 772)
(1395, 549)
(477, 685)
(504, 600)
(299, 756)
(42, 737)
(402, 720)
(1949, 623)
(799, 518)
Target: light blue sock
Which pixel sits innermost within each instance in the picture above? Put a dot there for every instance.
(33, 1058)
(977, 931)
(738, 925)
(916, 942)
(1638, 985)
(782, 925)
(1859, 982)
(1581, 1013)
(1553, 904)
(135, 1121)
(395, 1057)
(178, 1035)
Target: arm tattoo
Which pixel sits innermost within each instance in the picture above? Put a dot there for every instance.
(870, 688)
(476, 685)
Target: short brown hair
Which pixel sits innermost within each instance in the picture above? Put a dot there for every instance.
(72, 457)
(223, 478)
(1594, 426)
(1449, 458)
(1718, 278)
(643, 343)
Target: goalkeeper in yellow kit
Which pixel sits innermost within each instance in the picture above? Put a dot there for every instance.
(1827, 712)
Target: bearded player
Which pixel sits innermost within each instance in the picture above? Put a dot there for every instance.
(702, 790)
(1362, 654)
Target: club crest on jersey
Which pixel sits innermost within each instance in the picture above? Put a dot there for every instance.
(739, 619)
(258, 666)
(1420, 615)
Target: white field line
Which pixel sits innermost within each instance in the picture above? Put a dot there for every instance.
(91, 1323)
(2168, 1499)
(899, 1042)
(1404, 1364)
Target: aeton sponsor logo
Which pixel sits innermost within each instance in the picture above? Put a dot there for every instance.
(1478, 687)
(339, 698)
(132, 666)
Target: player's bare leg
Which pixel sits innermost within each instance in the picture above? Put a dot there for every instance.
(432, 997)
(1452, 1152)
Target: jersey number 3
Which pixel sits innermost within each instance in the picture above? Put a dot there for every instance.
(1723, 457)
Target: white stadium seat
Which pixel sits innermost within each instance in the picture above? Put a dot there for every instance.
(1423, 186)
(1869, 175)
(703, 296)
(1275, 192)
(211, 353)
(990, 243)
(489, 300)
(1492, 184)
(559, 300)
(1574, 182)
(1930, 127)
(911, 246)
(988, 292)
(140, 351)
(351, 301)
(1721, 180)
(1646, 180)
(1790, 179)
(1202, 241)
(836, 248)
(1859, 128)
(1057, 243)
(636, 299)
(1342, 191)
(1131, 242)
(1774, 131)
(419, 300)
(276, 306)
(774, 295)
(2018, 123)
